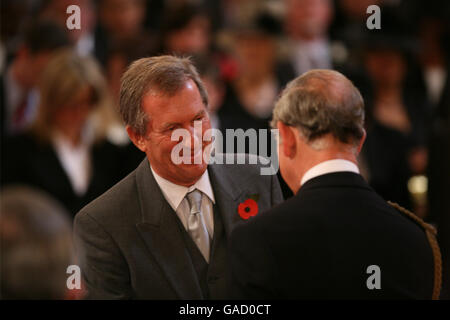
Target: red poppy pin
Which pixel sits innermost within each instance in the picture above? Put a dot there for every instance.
(249, 207)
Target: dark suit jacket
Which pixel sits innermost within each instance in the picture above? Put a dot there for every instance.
(318, 245)
(439, 181)
(131, 244)
(27, 161)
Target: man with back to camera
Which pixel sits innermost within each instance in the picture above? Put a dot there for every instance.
(336, 238)
(161, 233)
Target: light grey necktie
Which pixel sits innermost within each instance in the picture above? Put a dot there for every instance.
(196, 226)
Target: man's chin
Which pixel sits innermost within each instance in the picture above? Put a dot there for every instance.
(192, 172)
(193, 167)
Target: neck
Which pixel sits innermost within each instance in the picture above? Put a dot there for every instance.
(184, 183)
(74, 136)
(246, 81)
(18, 76)
(304, 37)
(433, 57)
(389, 90)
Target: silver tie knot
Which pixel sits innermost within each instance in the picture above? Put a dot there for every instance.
(195, 200)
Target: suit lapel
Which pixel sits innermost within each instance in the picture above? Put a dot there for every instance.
(227, 194)
(162, 235)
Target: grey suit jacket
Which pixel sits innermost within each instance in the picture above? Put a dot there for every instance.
(130, 244)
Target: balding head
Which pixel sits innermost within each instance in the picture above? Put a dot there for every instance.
(321, 102)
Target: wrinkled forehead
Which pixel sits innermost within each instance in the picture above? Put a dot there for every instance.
(163, 86)
(187, 96)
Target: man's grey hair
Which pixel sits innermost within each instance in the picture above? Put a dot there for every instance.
(163, 74)
(321, 102)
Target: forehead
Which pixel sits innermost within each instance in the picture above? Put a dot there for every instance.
(157, 103)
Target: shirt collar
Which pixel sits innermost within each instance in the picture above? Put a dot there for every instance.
(329, 166)
(175, 193)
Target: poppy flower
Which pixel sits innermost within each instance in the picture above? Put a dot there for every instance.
(248, 208)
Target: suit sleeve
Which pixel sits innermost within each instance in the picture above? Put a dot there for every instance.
(252, 268)
(103, 267)
(277, 195)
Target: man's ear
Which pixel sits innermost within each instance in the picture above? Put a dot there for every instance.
(361, 142)
(287, 138)
(137, 139)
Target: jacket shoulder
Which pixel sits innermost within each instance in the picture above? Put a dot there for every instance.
(120, 198)
(414, 218)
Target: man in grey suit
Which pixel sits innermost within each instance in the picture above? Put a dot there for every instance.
(162, 232)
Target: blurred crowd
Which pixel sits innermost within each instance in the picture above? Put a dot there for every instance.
(59, 88)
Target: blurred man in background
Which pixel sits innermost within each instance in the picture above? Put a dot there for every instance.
(83, 39)
(306, 26)
(17, 95)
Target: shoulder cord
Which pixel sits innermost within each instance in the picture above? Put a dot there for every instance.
(431, 232)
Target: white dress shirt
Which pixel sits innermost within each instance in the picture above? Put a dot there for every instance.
(435, 78)
(175, 195)
(75, 160)
(329, 166)
(85, 45)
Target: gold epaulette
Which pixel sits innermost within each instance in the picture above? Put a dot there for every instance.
(431, 232)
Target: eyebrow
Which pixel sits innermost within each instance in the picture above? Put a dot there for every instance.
(169, 124)
(201, 112)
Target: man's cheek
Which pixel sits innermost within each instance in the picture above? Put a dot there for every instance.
(169, 152)
(206, 139)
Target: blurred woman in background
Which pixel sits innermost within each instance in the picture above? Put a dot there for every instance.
(397, 115)
(65, 153)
